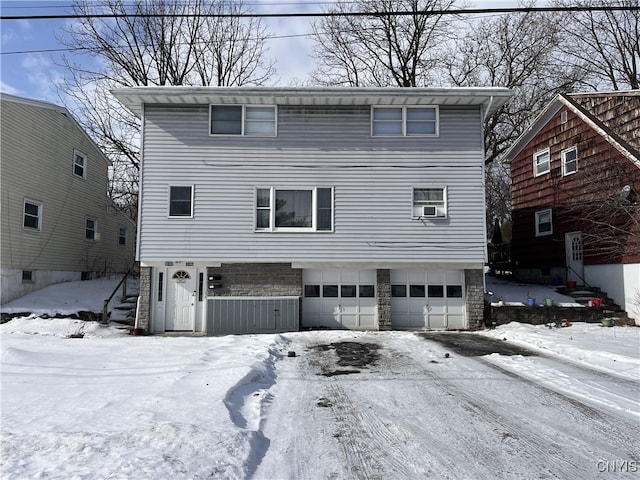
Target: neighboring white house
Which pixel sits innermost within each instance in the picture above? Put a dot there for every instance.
(57, 222)
(270, 209)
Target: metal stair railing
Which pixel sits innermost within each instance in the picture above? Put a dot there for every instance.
(105, 305)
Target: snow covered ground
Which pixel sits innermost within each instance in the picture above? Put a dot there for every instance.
(108, 405)
(515, 293)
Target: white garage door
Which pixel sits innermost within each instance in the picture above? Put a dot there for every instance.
(431, 300)
(339, 299)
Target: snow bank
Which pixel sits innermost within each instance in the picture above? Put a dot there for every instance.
(131, 407)
(614, 350)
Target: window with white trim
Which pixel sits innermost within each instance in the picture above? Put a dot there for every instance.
(91, 229)
(569, 161)
(247, 120)
(541, 163)
(32, 215)
(181, 201)
(429, 202)
(294, 209)
(123, 233)
(544, 223)
(404, 121)
(79, 164)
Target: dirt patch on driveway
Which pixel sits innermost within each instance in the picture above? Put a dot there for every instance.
(350, 354)
(470, 345)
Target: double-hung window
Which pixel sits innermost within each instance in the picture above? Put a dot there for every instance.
(91, 229)
(569, 161)
(544, 225)
(32, 215)
(541, 162)
(248, 120)
(294, 209)
(79, 164)
(122, 235)
(429, 202)
(404, 121)
(180, 201)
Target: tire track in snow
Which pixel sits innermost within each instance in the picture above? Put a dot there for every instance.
(562, 445)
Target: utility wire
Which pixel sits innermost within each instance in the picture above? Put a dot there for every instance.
(465, 11)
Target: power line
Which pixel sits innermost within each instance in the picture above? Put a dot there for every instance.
(55, 50)
(465, 11)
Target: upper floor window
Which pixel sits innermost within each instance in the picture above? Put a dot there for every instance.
(569, 161)
(541, 162)
(91, 229)
(32, 215)
(122, 235)
(180, 201)
(430, 202)
(544, 225)
(259, 121)
(79, 164)
(404, 121)
(294, 209)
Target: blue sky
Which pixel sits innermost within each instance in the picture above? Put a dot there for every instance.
(33, 72)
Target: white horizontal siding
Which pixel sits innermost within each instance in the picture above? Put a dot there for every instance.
(328, 146)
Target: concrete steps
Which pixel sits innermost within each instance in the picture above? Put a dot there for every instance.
(591, 297)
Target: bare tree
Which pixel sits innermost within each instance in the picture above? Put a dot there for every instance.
(608, 213)
(381, 48)
(604, 45)
(152, 43)
(517, 51)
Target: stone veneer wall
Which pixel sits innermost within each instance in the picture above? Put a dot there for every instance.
(383, 297)
(474, 294)
(144, 310)
(257, 280)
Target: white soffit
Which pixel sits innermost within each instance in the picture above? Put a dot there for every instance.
(133, 98)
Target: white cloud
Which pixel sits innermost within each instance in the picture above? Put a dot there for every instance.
(6, 88)
(42, 74)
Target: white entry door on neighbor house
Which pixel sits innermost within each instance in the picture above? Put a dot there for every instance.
(181, 300)
(575, 263)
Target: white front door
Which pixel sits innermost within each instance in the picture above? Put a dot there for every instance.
(181, 300)
(575, 264)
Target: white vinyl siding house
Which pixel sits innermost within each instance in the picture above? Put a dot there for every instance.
(54, 179)
(319, 210)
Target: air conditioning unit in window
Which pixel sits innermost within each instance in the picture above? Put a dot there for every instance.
(432, 211)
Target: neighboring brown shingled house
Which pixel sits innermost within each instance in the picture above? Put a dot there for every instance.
(575, 181)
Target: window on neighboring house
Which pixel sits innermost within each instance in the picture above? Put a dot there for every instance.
(541, 163)
(32, 218)
(122, 235)
(259, 121)
(91, 229)
(79, 164)
(544, 224)
(569, 161)
(429, 202)
(180, 201)
(27, 276)
(404, 121)
(300, 209)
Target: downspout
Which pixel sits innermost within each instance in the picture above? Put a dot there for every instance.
(488, 109)
(484, 186)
